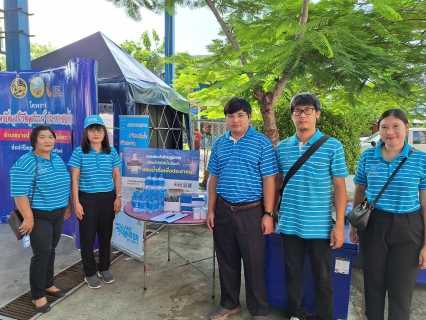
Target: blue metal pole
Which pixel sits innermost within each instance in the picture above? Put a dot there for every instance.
(169, 47)
(17, 36)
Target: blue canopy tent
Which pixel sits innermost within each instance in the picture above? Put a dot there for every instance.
(130, 88)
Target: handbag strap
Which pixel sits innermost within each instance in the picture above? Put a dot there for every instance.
(390, 178)
(35, 180)
(296, 166)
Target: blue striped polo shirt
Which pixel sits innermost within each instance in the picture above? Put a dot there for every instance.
(95, 169)
(307, 201)
(241, 164)
(53, 181)
(402, 194)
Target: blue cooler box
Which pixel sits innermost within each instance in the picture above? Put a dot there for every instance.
(421, 280)
(341, 268)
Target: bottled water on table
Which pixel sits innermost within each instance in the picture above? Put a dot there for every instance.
(135, 202)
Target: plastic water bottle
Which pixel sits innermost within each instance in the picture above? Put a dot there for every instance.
(151, 206)
(135, 202)
(161, 182)
(143, 204)
(154, 181)
(148, 182)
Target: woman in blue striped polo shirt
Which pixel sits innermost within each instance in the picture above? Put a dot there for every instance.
(393, 244)
(44, 207)
(95, 175)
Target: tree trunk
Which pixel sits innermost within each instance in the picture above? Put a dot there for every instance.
(268, 99)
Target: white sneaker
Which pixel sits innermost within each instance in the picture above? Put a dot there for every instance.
(294, 318)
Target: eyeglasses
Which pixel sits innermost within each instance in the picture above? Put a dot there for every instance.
(239, 116)
(307, 111)
(94, 129)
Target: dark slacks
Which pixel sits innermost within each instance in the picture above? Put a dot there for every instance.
(238, 235)
(319, 251)
(390, 247)
(44, 239)
(98, 220)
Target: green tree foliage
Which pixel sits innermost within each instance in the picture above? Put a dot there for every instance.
(36, 51)
(342, 126)
(149, 51)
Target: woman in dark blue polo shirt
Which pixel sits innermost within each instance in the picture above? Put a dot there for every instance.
(393, 244)
(95, 174)
(44, 208)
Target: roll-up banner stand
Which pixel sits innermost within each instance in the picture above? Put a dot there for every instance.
(128, 232)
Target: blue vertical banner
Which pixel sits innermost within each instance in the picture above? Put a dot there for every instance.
(128, 232)
(134, 131)
(52, 97)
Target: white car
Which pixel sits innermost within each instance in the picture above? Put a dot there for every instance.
(416, 137)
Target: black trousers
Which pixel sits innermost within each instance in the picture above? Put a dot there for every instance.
(319, 251)
(44, 239)
(238, 235)
(390, 247)
(98, 220)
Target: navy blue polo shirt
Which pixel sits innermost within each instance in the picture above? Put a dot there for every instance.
(402, 194)
(95, 169)
(52, 185)
(241, 164)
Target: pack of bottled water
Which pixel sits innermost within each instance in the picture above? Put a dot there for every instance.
(151, 199)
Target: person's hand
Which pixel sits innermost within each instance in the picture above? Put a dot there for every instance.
(267, 224)
(422, 258)
(210, 220)
(117, 205)
(337, 237)
(27, 226)
(353, 236)
(78, 211)
(67, 213)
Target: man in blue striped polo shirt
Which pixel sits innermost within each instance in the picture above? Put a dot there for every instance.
(241, 186)
(305, 213)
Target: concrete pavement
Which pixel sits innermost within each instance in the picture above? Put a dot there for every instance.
(180, 294)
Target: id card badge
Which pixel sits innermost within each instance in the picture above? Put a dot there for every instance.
(26, 241)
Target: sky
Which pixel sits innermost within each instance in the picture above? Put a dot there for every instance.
(62, 22)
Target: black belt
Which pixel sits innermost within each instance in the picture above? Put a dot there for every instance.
(239, 206)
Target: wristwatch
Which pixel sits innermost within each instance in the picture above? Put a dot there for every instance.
(270, 213)
(118, 194)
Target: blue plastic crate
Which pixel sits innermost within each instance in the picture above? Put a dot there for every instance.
(274, 276)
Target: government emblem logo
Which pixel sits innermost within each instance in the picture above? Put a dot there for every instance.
(37, 87)
(18, 88)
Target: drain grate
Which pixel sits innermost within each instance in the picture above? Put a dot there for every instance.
(69, 279)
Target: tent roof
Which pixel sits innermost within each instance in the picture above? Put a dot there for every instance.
(116, 65)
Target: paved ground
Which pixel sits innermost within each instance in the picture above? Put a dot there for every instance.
(179, 294)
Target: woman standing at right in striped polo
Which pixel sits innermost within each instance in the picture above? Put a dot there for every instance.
(393, 244)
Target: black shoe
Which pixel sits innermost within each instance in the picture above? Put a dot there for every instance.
(44, 308)
(57, 294)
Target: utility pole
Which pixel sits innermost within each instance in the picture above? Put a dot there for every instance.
(169, 47)
(16, 33)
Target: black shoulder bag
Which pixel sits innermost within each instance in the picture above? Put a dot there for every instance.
(296, 166)
(360, 215)
(15, 218)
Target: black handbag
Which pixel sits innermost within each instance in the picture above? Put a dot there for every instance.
(15, 218)
(360, 215)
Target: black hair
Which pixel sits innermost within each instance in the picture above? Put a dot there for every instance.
(36, 131)
(85, 143)
(237, 104)
(305, 99)
(397, 113)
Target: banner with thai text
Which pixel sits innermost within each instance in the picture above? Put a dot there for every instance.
(59, 97)
(180, 168)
